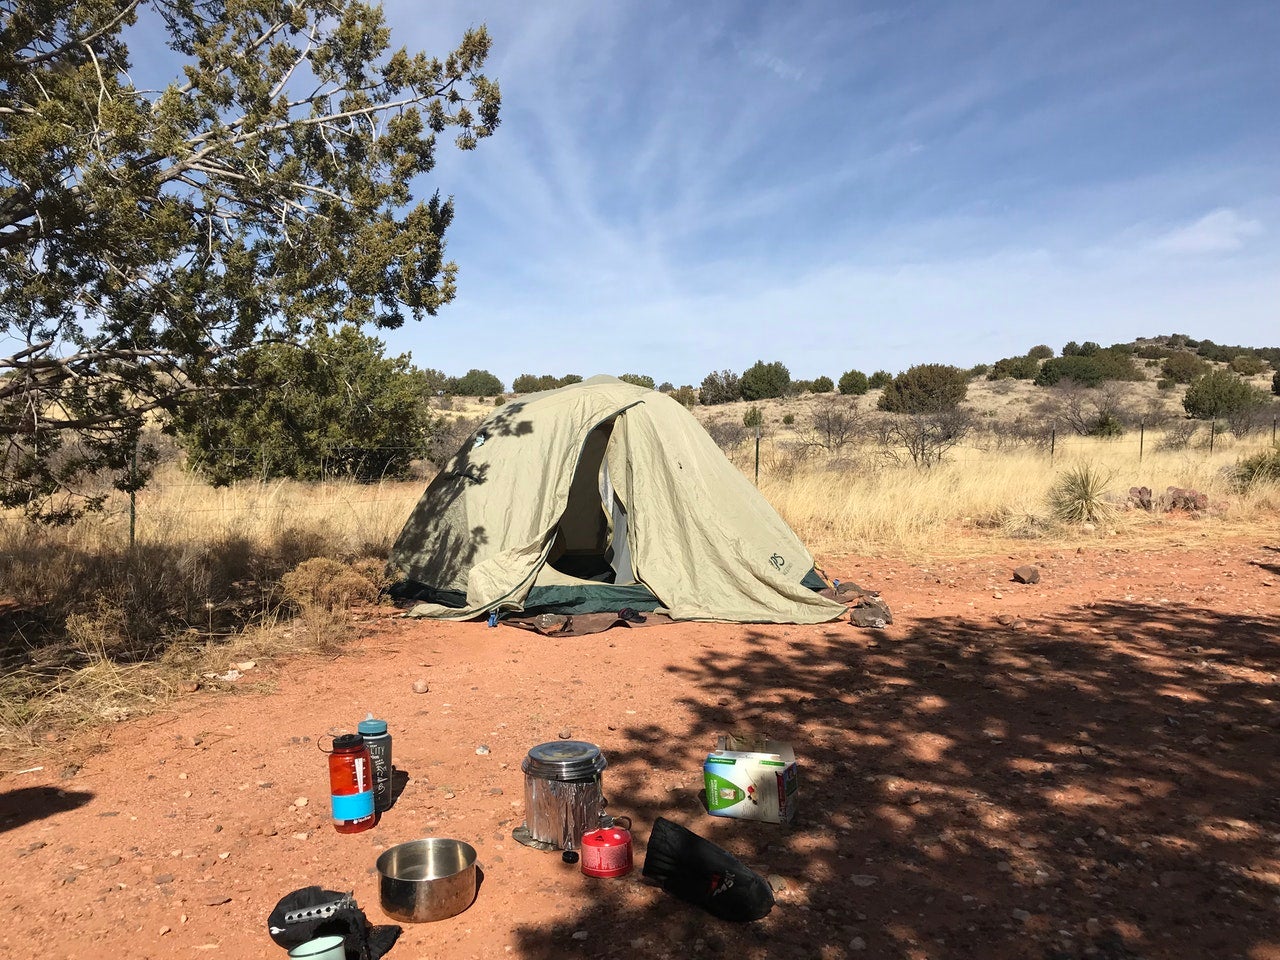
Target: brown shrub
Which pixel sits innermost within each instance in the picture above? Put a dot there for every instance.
(330, 584)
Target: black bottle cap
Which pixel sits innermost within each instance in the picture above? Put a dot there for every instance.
(569, 856)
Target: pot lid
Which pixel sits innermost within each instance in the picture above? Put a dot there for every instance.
(564, 760)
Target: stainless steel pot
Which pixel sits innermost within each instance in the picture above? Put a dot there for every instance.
(428, 879)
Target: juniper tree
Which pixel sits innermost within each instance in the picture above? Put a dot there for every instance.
(148, 236)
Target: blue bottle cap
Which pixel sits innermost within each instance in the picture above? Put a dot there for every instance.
(371, 727)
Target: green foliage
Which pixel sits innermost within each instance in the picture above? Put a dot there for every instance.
(1088, 368)
(788, 419)
(474, 383)
(753, 417)
(529, 383)
(637, 379)
(1247, 365)
(979, 370)
(1041, 351)
(1107, 425)
(1183, 367)
(1225, 354)
(925, 388)
(881, 378)
(148, 237)
(335, 406)
(1015, 368)
(1275, 383)
(1220, 393)
(666, 386)
(1078, 495)
(765, 381)
(1260, 468)
(853, 383)
(685, 395)
(718, 388)
(823, 385)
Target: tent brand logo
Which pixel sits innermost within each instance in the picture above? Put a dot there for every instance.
(777, 561)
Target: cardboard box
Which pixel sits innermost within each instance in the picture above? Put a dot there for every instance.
(752, 779)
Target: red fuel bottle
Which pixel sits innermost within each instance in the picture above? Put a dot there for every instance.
(351, 784)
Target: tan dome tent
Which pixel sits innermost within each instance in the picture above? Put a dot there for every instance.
(595, 497)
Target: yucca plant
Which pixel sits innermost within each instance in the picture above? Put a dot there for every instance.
(1077, 496)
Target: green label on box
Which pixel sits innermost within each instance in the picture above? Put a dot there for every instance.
(721, 793)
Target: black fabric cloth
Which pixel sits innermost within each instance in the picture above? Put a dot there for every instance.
(697, 871)
(361, 939)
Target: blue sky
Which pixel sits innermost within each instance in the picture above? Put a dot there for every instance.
(678, 188)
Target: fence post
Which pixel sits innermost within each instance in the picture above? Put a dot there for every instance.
(1053, 440)
(1273, 431)
(757, 454)
(1142, 436)
(1213, 431)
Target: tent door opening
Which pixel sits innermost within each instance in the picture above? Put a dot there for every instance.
(591, 538)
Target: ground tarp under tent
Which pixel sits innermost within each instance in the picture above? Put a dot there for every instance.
(597, 497)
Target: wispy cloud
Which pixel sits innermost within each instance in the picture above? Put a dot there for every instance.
(1222, 231)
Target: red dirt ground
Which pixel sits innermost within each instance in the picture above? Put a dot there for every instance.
(1082, 767)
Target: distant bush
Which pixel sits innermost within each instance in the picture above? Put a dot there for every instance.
(925, 388)
(1220, 393)
(1040, 351)
(788, 419)
(797, 387)
(1275, 383)
(727, 435)
(637, 379)
(979, 370)
(1183, 367)
(1089, 369)
(753, 418)
(879, 379)
(685, 396)
(1247, 366)
(475, 383)
(1016, 368)
(666, 387)
(765, 381)
(823, 385)
(718, 388)
(853, 383)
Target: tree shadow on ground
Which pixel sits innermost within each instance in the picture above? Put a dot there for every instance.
(24, 805)
(1099, 782)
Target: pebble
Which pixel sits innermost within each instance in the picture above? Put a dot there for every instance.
(164, 930)
(579, 934)
(420, 686)
(1093, 926)
(301, 835)
(300, 802)
(482, 750)
(777, 882)
(565, 734)
(862, 880)
(449, 794)
(1021, 916)
(857, 943)
(161, 878)
(110, 861)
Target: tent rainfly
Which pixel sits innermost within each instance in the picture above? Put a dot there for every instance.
(595, 497)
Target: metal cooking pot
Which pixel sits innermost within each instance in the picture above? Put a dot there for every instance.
(428, 879)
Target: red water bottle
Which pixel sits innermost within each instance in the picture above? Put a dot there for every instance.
(351, 784)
